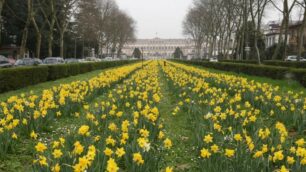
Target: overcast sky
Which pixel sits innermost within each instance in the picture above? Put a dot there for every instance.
(163, 18)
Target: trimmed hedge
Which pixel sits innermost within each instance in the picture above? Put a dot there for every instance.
(274, 72)
(16, 78)
(270, 62)
(300, 75)
(240, 61)
(58, 71)
(286, 64)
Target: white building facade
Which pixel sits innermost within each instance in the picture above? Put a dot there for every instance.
(159, 48)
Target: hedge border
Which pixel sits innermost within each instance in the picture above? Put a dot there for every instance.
(274, 72)
(16, 78)
(270, 62)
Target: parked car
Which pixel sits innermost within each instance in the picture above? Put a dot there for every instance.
(116, 59)
(54, 60)
(133, 58)
(28, 62)
(293, 58)
(4, 62)
(213, 59)
(72, 60)
(92, 59)
(108, 59)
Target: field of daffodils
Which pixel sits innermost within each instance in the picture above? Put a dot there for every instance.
(115, 122)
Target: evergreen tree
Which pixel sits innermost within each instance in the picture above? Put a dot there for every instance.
(137, 53)
(88, 21)
(178, 53)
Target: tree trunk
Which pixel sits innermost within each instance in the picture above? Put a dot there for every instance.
(50, 42)
(301, 36)
(257, 49)
(280, 41)
(51, 27)
(24, 39)
(25, 30)
(286, 37)
(38, 44)
(38, 37)
(258, 28)
(62, 44)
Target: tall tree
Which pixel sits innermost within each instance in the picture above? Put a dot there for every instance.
(137, 53)
(301, 35)
(193, 26)
(126, 30)
(87, 21)
(257, 8)
(48, 9)
(38, 23)
(178, 53)
(286, 9)
(67, 9)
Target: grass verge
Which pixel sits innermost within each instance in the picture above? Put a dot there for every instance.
(179, 128)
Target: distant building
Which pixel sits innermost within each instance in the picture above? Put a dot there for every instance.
(160, 48)
(294, 34)
(272, 33)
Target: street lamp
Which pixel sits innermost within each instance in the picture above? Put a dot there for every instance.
(142, 56)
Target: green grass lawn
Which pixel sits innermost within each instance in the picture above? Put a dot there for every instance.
(183, 153)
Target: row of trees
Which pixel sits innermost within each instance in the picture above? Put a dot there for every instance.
(234, 27)
(60, 27)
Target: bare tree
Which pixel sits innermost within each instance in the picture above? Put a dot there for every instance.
(37, 26)
(48, 10)
(66, 11)
(193, 26)
(108, 9)
(286, 10)
(126, 30)
(257, 8)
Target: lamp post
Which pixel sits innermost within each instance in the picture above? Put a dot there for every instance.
(142, 56)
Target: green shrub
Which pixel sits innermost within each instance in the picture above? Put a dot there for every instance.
(85, 67)
(285, 64)
(74, 69)
(240, 61)
(270, 62)
(15, 78)
(58, 71)
(300, 75)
